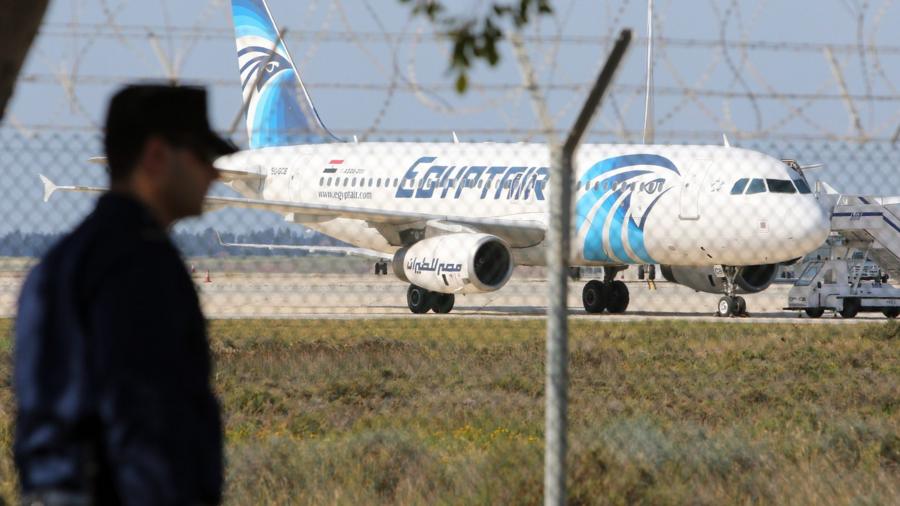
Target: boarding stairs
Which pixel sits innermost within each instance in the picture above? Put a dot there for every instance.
(871, 224)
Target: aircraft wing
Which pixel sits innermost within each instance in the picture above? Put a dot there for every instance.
(517, 233)
(341, 250)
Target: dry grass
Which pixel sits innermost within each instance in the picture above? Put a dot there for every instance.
(451, 411)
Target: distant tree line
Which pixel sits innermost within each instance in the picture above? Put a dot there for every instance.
(192, 244)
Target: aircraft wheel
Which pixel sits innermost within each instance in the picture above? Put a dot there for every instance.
(892, 312)
(594, 296)
(814, 312)
(741, 306)
(442, 303)
(418, 299)
(727, 306)
(851, 308)
(618, 297)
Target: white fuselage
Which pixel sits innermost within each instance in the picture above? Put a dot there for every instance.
(633, 204)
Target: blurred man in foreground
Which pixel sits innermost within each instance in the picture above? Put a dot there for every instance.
(112, 363)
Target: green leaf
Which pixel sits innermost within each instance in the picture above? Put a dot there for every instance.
(462, 82)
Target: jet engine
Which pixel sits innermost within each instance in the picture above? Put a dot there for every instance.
(456, 263)
(749, 279)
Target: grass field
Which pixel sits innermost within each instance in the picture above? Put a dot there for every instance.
(450, 411)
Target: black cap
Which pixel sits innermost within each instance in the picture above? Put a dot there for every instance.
(175, 113)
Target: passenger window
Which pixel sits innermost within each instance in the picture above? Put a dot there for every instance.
(739, 186)
(756, 186)
(781, 186)
(802, 187)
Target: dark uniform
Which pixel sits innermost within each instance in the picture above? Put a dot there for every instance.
(112, 369)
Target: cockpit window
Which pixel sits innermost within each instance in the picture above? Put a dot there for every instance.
(802, 187)
(781, 186)
(756, 186)
(739, 186)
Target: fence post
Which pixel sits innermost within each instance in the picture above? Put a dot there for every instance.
(558, 250)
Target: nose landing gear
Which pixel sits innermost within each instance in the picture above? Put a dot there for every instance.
(730, 304)
(610, 295)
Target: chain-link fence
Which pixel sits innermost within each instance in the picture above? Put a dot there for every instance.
(376, 316)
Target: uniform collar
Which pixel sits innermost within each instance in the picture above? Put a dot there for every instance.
(124, 207)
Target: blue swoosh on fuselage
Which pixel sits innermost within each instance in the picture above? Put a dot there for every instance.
(615, 203)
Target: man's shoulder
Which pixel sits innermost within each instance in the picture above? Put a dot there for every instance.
(103, 242)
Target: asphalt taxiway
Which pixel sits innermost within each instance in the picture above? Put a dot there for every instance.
(251, 295)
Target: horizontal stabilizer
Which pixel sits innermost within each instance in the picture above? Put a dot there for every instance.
(49, 187)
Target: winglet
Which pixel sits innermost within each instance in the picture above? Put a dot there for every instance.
(49, 187)
(725, 140)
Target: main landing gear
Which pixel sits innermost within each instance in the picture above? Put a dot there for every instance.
(731, 305)
(610, 295)
(421, 300)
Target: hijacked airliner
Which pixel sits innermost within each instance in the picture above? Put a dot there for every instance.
(456, 218)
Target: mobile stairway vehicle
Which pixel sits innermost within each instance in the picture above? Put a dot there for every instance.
(844, 281)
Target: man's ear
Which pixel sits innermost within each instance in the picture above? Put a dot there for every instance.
(155, 157)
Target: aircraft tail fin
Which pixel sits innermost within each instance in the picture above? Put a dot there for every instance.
(279, 110)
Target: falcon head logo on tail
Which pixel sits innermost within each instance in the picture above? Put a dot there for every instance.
(279, 110)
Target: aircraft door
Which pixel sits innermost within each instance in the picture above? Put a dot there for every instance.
(691, 186)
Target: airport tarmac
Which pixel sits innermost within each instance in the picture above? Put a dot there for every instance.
(249, 295)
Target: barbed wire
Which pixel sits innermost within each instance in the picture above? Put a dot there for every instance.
(731, 49)
(108, 80)
(141, 32)
(487, 135)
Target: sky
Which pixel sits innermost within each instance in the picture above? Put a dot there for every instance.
(756, 70)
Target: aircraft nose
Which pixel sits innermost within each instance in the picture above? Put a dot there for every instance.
(811, 226)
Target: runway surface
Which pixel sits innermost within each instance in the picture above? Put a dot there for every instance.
(249, 295)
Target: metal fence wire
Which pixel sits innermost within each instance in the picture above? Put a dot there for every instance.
(377, 317)
(668, 224)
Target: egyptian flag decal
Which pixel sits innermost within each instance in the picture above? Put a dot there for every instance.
(332, 166)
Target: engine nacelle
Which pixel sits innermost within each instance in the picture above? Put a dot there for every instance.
(456, 263)
(750, 279)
